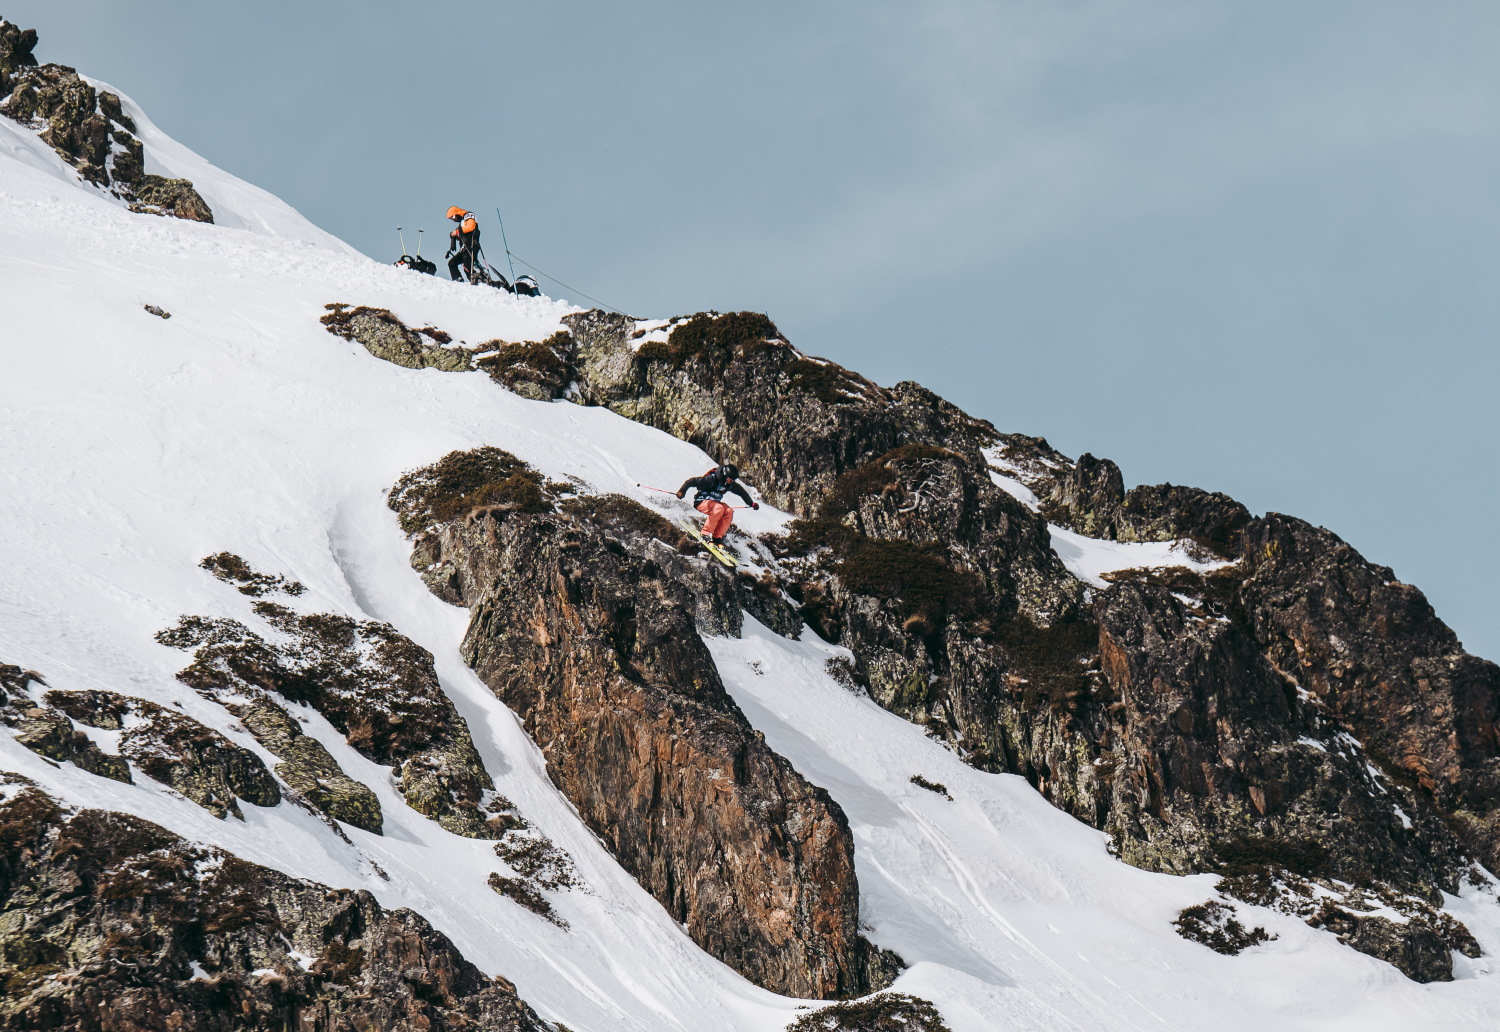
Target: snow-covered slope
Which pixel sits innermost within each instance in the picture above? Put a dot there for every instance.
(134, 446)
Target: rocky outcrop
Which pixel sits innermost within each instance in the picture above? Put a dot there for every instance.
(112, 923)
(589, 629)
(165, 745)
(541, 371)
(47, 731)
(1167, 713)
(1420, 945)
(16, 46)
(735, 387)
(1089, 497)
(1219, 761)
(88, 129)
(1166, 709)
(308, 769)
(388, 338)
(51, 734)
(197, 761)
(158, 195)
(1167, 512)
(883, 1012)
(377, 687)
(1374, 651)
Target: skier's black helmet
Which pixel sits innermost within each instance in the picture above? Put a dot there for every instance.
(730, 471)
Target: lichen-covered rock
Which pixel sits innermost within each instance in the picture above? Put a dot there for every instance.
(85, 127)
(959, 614)
(65, 107)
(377, 687)
(165, 745)
(587, 634)
(47, 733)
(16, 46)
(158, 195)
(1420, 945)
(109, 107)
(152, 932)
(386, 337)
(1166, 709)
(308, 769)
(732, 385)
(50, 733)
(1373, 650)
(46, 729)
(1218, 757)
(101, 709)
(197, 761)
(1167, 512)
(541, 371)
(1088, 498)
(1417, 953)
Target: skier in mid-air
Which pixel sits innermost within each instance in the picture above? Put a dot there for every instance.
(709, 500)
(463, 244)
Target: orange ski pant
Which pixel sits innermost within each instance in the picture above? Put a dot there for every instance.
(720, 516)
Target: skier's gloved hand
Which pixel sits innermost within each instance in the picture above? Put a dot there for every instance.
(679, 494)
(755, 505)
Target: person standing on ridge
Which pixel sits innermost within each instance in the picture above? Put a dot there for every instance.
(709, 499)
(463, 243)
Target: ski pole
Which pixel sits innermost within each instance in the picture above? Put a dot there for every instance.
(507, 245)
(419, 244)
(402, 237)
(663, 490)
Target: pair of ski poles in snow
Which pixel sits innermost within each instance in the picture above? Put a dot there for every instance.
(663, 490)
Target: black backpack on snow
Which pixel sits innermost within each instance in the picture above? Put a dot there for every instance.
(416, 263)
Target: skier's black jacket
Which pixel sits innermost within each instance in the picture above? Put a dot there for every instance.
(712, 486)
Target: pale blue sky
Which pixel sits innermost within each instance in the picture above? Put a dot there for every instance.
(1251, 246)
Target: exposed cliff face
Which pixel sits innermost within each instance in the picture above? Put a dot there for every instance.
(1374, 651)
(587, 625)
(1165, 710)
(87, 129)
(1220, 760)
(112, 923)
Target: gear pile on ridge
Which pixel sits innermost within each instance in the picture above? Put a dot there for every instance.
(465, 257)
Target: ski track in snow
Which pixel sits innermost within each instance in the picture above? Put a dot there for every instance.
(135, 446)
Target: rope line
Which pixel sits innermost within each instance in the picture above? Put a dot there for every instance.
(560, 283)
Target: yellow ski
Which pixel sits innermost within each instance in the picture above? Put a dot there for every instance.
(715, 550)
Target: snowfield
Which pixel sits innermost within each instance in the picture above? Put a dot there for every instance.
(133, 446)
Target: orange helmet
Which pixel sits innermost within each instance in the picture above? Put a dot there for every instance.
(456, 212)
